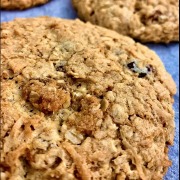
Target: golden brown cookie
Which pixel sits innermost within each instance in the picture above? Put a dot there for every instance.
(144, 20)
(21, 4)
(82, 102)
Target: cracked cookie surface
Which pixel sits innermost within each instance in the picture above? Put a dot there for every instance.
(21, 4)
(144, 20)
(82, 102)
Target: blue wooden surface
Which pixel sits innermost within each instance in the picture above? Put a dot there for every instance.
(168, 53)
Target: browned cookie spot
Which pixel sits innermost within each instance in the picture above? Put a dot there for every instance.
(47, 97)
(89, 114)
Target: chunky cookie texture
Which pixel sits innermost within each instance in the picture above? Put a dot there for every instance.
(82, 102)
(20, 4)
(144, 20)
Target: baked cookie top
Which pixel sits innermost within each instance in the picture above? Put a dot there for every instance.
(82, 102)
(20, 4)
(144, 20)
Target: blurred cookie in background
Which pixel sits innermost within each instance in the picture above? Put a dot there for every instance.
(144, 20)
(20, 4)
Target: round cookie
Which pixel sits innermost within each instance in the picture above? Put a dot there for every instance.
(82, 102)
(20, 4)
(144, 20)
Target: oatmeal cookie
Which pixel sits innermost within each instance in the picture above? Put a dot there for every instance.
(82, 102)
(20, 4)
(144, 20)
